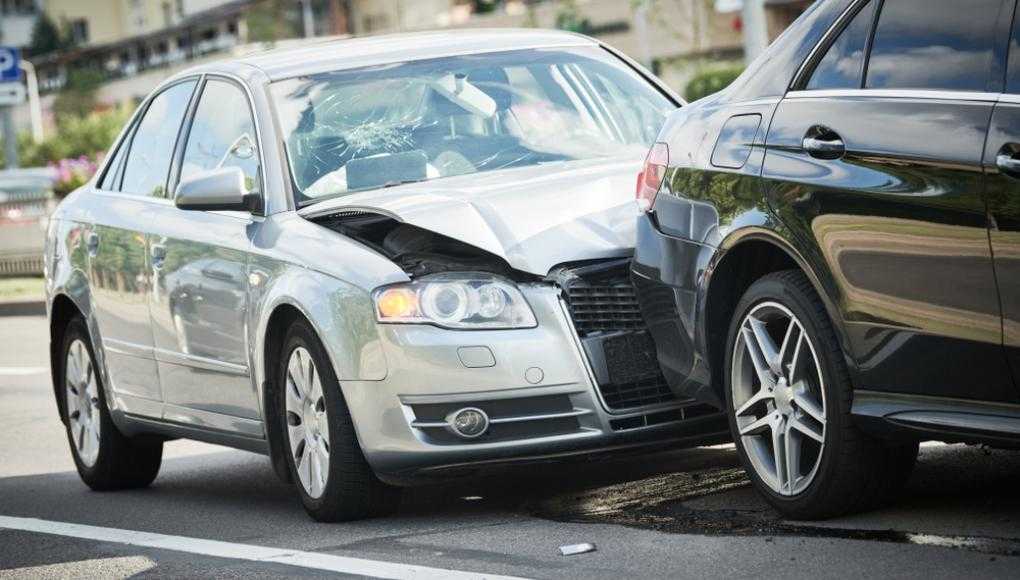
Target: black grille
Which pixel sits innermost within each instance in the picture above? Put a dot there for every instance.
(606, 314)
(604, 308)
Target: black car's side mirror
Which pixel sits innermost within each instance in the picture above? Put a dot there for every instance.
(217, 189)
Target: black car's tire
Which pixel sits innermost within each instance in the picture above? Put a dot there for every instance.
(853, 471)
(351, 490)
(119, 462)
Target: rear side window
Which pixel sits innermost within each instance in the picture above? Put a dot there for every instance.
(152, 146)
(935, 44)
(843, 64)
(110, 178)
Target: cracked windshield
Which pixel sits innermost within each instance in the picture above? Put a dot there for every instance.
(374, 127)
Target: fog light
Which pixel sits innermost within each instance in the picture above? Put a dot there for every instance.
(469, 423)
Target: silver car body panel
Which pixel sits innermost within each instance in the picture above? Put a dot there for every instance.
(178, 303)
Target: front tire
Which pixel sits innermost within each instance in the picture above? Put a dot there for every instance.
(106, 460)
(788, 395)
(323, 454)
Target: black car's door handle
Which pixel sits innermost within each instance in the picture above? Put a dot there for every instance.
(823, 143)
(1008, 160)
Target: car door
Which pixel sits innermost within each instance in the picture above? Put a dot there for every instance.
(199, 260)
(874, 160)
(1002, 166)
(125, 204)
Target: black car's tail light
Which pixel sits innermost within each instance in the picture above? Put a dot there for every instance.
(650, 179)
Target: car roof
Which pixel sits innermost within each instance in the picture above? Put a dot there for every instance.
(329, 55)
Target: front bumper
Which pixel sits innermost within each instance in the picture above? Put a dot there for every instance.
(538, 391)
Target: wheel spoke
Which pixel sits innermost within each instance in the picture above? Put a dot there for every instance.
(763, 394)
(779, 454)
(81, 436)
(295, 376)
(793, 444)
(758, 426)
(766, 346)
(810, 431)
(792, 367)
(304, 464)
(760, 366)
(296, 432)
(807, 403)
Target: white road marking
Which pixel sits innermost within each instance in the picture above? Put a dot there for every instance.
(22, 371)
(313, 560)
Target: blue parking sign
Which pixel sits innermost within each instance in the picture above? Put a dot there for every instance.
(10, 69)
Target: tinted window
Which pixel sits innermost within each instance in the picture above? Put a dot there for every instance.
(1013, 78)
(222, 134)
(153, 144)
(934, 44)
(843, 63)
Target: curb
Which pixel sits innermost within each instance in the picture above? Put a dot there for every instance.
(23, 308)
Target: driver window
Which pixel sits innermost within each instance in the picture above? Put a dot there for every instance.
(222, 134)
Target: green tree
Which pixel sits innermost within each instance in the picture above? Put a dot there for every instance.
(46, 37)
(271, 20)
(711, 81)
(78, 97)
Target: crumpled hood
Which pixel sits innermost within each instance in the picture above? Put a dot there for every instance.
(534, 217)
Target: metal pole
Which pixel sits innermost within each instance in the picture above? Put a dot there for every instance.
(34, 105)
(641, 24)
(308, 18)
(756, 36)
(10, 137)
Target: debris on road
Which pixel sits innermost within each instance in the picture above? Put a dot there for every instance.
(575, 549)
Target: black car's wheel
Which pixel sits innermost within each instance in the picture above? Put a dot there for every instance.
(325, 458)
(105, 458)
(788, 394)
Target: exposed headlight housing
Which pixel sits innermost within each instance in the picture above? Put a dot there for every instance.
(458, 301)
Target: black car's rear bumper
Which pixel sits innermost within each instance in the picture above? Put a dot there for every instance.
(668, 275)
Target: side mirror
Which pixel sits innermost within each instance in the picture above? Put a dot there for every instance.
(217, 189)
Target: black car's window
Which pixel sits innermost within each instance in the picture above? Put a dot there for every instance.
(843, 63)
(1013, 75)
(152, 146)
(934, 44)
(222, 134)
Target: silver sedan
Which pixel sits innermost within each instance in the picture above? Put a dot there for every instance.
(377, 261)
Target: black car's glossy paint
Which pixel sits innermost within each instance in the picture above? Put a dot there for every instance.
(895, 205)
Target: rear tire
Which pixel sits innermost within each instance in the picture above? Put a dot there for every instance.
(837, 468)
(323, 454)
(106, 459)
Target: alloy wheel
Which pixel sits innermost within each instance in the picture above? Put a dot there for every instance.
(82, 397)
(778, 398)
(307, 422)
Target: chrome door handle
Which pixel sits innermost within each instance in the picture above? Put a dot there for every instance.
(823, 143)
(1008, 163)
(92, 243)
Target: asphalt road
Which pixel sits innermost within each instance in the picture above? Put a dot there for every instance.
(673, 514)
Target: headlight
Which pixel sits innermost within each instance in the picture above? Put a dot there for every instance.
(462, 301)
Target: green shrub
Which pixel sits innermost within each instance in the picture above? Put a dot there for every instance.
(711, 81)
(88, 136)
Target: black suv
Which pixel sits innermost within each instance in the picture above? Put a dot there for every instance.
(831, 249)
